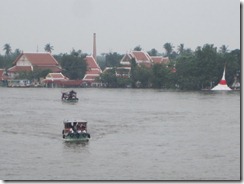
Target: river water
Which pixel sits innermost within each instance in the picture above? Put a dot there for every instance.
(136, 134)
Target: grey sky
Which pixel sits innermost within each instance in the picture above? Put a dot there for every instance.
(120, 25)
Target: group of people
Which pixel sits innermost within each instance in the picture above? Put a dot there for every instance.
(69, 95)
(76, 128)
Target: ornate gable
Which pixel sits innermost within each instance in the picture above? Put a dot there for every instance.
(23, 61)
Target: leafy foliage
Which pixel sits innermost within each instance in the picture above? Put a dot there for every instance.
(109, 78)
(74, 65)
(113, 59)
(48, 48)
(153, 52)
(138, 48)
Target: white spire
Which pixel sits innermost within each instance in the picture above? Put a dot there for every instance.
(222, 85)
(223, 77)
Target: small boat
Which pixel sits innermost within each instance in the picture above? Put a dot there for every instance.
(69, 96)
(75, 131)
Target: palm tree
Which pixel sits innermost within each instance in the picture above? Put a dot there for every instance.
(138, 48)
(181, 48)
(7, 49)
(169, 49)
(17, 52)
(223, 49)
(153, 52)
(48, 48)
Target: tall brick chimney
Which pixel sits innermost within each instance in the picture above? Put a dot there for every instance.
(94, 47)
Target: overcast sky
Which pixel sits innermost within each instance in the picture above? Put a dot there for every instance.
(120, 25)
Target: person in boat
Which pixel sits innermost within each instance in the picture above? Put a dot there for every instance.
(71, 130)
(62, 96)
(78, 128)
(74, 127)
(72, 94)
(65, 95)
(83, 129)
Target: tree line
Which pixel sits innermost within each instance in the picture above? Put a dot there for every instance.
(187, 69)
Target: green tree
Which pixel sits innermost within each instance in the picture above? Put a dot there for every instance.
(109, 78)
(153, 52)
(2, 62)
(133, 72)
(169, 49)
(75, 53)
(138, 48)
(123, 82)
(7, 48)
(101, 61)
(223, 49)
(160, 74)
(181, 48)
(8, 56)
(144, 76)
(112, 59)
(207, 60)
(74, 67)
(232, 61)
(186, 76)
(16, 52)
(48, 48)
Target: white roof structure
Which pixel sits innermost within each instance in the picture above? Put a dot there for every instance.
(222, 85)
(72, 121)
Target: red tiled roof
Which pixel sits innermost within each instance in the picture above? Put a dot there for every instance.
(56, 76)
(156, 59)
(90, 77)
(55, 69)
(140, 56)
(127, 57)
(160, 59)
(20, 69)
(98, 72)
(93, 69)
(38, 59)
(148, 65)
(91, 62)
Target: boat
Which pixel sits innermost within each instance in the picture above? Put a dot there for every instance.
(69, 96)
(222, 85)
(75, 131)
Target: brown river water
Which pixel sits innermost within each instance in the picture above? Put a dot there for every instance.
(136, 134)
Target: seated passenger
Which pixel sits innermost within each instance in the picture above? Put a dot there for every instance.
(71, 130)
